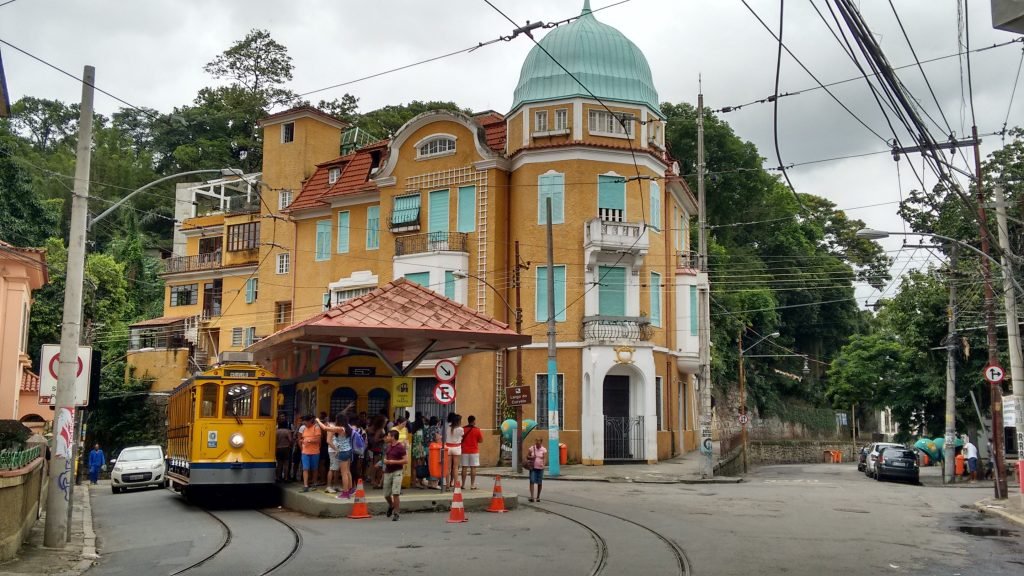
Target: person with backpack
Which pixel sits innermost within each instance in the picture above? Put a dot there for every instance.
(343, 444)
(358, 450)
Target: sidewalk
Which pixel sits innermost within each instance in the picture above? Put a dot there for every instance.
(685, 469)
(318, 503)
(1011, 509)
(76, 557)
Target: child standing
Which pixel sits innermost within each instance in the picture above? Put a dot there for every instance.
(535, 464)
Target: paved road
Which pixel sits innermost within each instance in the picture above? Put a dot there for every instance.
(803, 520)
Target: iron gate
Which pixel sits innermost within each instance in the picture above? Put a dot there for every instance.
(426, 403)
(624, 438)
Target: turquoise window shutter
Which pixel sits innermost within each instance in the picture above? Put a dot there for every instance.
(542, 294)
(611, 292)
(407, 210)
(421, 278)
(343, 232)
(250, 290)
(611, 192)
(655, 205)
(373, 227)
(682, 231)
(467, 209)
(553, 186)
(449, 284)
(693, 310)
(323, 239)
(655, 298)
(438, 217)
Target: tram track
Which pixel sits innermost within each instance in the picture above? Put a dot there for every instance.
(225, 547)
(682, 562)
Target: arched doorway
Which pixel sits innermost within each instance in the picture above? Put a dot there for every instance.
(622, 401)
(343, 399)
(377, 400)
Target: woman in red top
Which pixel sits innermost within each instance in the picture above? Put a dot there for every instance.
(471, 439)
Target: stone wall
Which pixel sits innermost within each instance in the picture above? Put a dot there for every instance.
(769, 452)
(20, 491)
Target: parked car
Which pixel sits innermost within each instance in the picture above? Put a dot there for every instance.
(138, 466)
(862, 458)
(873, 449)
(897, 463)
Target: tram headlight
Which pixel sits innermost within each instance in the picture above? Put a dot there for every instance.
(237, 440)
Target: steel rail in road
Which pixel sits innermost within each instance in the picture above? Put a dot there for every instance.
(228, 537)
(681, 560)
(602, 544)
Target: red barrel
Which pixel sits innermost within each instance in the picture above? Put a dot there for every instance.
(435, 459)
(1020, 473)
(563, 454)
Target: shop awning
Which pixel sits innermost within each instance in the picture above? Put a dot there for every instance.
(402, 323)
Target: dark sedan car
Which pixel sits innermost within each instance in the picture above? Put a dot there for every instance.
(862, 460)
(897, 464)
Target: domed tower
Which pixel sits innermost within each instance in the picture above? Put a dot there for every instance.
(586, 131)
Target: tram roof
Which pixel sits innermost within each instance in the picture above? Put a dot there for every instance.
(398, 322)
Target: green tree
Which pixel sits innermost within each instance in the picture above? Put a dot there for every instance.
(26, 219)
(385, 122)
(46, 123)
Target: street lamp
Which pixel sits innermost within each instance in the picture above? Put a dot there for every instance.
(744, 418)
(116, 205)
(518, 313)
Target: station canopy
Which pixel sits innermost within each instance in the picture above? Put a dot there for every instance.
(402, 323)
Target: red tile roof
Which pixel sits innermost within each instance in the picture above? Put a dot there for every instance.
(354, 178)
(495, 129)
(402, 317)
(29, 381)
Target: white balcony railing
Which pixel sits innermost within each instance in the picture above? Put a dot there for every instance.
(617, 236)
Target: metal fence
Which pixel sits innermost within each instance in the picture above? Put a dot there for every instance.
(14, 459)
(431, 242)
(624, 438)
(616, 328)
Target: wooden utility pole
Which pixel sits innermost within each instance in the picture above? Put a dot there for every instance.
(517, 463)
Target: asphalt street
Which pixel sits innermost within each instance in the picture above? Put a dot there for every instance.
(804, 520)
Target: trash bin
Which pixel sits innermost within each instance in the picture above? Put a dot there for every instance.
(1020, 475)
(958, 465)
(563, 454)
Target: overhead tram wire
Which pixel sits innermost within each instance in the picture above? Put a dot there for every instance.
(1013, 93)
(629, 141)
(775, 106)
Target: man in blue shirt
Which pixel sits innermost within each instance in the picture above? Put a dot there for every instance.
(97, 460)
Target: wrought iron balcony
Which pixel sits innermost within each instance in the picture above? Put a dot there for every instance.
(431, 242)
(617, 236)
(635, 328)
(689, 260)
(208, 261)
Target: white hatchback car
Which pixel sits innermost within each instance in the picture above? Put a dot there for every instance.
(138, 466)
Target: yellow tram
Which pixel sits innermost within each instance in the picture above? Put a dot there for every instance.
(220, 426)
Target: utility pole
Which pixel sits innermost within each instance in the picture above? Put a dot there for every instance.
(704, 304)
(990, 321)
(554, 465)
(949, 448)
(743, 399)
(1012, 323)
(59, 494)
(517, 463)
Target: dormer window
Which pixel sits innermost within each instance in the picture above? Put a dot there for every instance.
(287, 132)
(436, 145)
(618, 125)
(333, 174)
(540, 124)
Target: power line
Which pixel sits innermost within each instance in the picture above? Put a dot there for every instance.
(775, 109)
(1013, 93)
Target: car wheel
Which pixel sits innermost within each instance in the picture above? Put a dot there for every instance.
(878, 475)
(167, 483)
(114, 490)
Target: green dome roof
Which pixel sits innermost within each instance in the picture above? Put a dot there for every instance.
(601, 57)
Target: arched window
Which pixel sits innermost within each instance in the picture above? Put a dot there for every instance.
(341, 399)
(379, 398)
(436, 145)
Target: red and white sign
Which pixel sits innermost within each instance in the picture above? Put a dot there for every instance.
(50, 362)
(445, 370)
(994, 373)
(444, 393)
(744, 419)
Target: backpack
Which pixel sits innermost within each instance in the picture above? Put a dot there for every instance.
(358, 442)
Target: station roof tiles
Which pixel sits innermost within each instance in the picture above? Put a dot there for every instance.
(29, 381)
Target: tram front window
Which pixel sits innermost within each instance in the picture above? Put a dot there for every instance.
(208, 404)
(238, 401)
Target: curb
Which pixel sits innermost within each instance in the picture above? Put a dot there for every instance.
(983, 508)
(622, 479)
(88, 534)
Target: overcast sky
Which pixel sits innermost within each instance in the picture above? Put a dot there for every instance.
(151, 53)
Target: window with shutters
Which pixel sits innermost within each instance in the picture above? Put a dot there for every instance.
(551, 185)
(421, 278)
(282, 314)
(540, 121)
(333, 174)
(250, 336)
(323, 240)
(655, 299)
(236, 336)
(287, 132)
(437, 217)
(659, 401)
(541, 401)
(187, 295)
(655, 220)
(406, 212)
(373, 227)
(693, 311)
(326, 301)
(437, 145)
(467, 209)
(284, 263)
(348, 294)
(541, 292)
(561, 120)
(343, 232)
(611, 290)
(611, 198)
(618, 125)
(284, 199)
(251, 290)
(449, 284)
(243, 236)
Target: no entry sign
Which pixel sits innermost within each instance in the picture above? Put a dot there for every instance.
(50, 362)
(444, 393)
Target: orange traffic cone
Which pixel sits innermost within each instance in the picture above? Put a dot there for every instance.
(359, 510)
(497, 500)
(458, 513)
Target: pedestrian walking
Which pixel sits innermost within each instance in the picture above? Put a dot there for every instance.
(97, 462)
(395, 458)
(971, 453)
(283, 448)
(471, 439)
(311, 435)
(535, 464)
(453, 445)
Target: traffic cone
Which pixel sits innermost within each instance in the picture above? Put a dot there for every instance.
(497, 500)
(458, 513)
(359, 510)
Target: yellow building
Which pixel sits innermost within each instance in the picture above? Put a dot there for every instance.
(444, 202)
